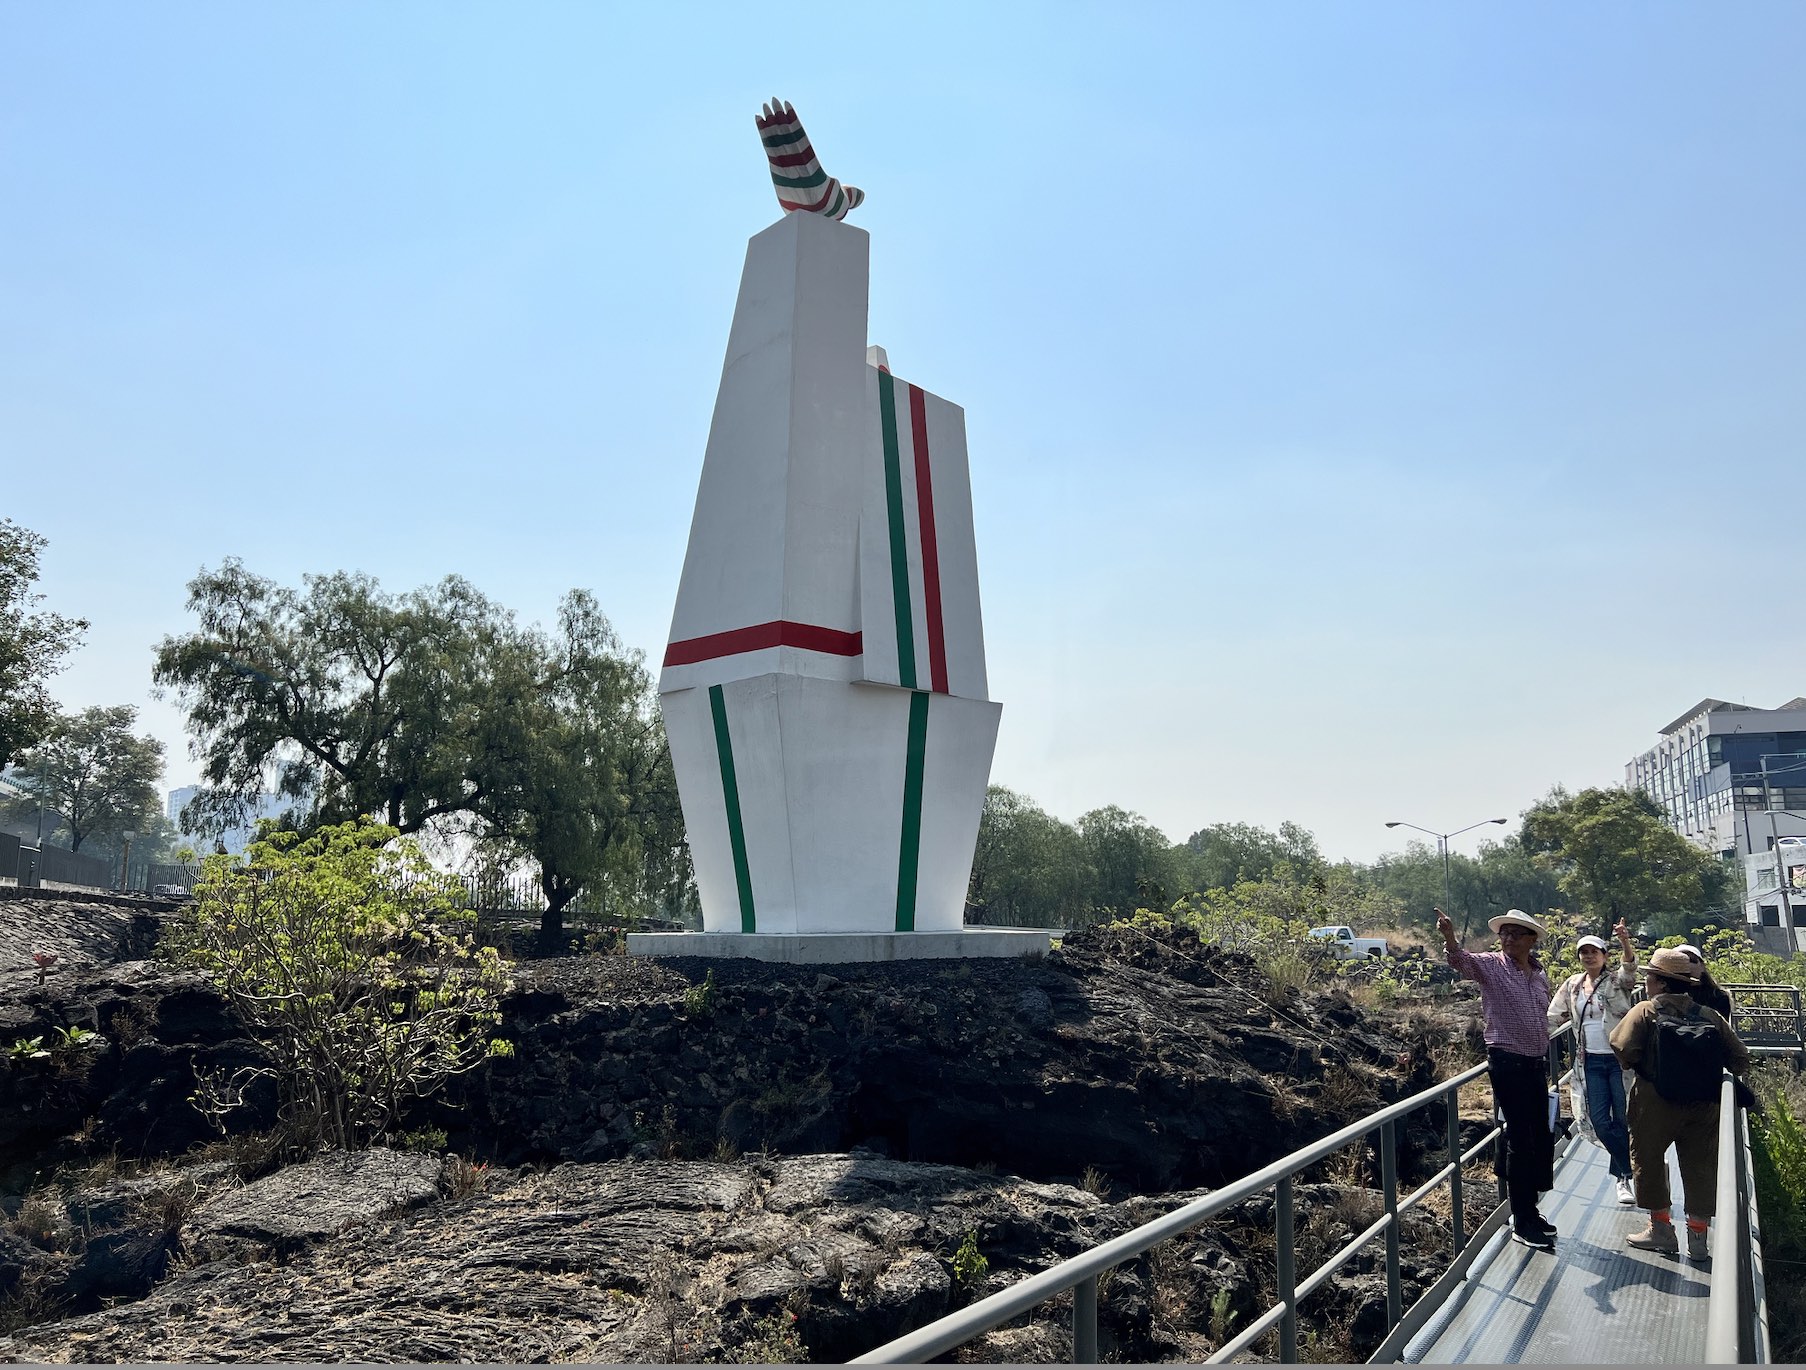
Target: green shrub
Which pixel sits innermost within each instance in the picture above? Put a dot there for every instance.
(428, 1141)
(969, 1263)
(1222, 1318)
(772, 1340)
(27, 1049)
(1779, 1155)
(699, 1000)
(344, 955)
(1733, 959)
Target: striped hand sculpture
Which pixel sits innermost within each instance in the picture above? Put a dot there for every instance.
(795, 172)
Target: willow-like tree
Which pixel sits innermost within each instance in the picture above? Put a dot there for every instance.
(431, 705)
(355, 703)
(32, 644)
(585, 791)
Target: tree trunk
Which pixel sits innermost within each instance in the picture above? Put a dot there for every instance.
(551, 920)
(551, 929)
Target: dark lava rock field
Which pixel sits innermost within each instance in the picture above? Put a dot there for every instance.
(777, 1163)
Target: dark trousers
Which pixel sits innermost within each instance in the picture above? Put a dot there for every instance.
(1520, 1087)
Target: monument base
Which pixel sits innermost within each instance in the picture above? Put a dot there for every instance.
(831, 948)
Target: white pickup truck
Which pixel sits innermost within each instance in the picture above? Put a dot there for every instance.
(1345, 946)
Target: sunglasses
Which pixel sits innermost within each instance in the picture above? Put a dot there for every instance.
(1516, 932)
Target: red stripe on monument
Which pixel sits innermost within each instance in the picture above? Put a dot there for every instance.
(931, 557)
(781, 633)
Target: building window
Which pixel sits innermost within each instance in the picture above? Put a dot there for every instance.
(1771, 915)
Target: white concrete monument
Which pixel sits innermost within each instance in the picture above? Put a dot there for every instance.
(824, 687)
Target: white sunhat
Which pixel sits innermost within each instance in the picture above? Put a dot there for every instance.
(1517, 917)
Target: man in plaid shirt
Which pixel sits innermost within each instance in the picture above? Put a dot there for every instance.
(1514, 1000)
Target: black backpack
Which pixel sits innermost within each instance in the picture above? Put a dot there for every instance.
(1685, 1058)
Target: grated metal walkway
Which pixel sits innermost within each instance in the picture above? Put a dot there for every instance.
(1592, 1301)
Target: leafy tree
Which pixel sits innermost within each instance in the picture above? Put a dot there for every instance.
(1503, 876)
(95, 775)
(32, 645)
(1129, 861)
(1289, 900)
(1734, 959)
(584, 789)
(1029, 867)
(1614, 857)
(345, 958)
(1270, 919)
(1218, 856)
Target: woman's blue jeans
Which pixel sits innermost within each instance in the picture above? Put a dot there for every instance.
(1605, 1109)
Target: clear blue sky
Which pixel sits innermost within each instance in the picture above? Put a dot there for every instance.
(1375, 411)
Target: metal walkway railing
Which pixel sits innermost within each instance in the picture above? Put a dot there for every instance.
(1737, 1318)
(1080, 1274)
(1768, 1016)
(1737, 1310)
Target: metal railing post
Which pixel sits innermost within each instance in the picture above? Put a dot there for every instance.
(1286, 1270)
(1756, 1316)
(1721, 1298)
(1746, 1300)
(1389, 1183)
(1455, 1221)
(1084, 1322)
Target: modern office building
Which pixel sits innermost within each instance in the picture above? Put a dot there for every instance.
(1732, 779)
(1718, 763)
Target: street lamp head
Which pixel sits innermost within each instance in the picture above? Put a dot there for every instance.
(1395, 825)
(1501, 820)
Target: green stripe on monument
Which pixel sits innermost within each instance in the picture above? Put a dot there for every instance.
(730, 791)
(910, 855)
(899, 551)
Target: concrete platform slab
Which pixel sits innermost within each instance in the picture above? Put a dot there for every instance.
(828, 948)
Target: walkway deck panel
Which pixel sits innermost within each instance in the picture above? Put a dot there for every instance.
(1592, 1301)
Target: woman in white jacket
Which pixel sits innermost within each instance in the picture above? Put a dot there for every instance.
(1596, 999)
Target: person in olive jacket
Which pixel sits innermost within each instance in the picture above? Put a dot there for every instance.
(1656, 1123)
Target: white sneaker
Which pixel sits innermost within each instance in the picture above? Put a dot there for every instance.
(1625, 1196)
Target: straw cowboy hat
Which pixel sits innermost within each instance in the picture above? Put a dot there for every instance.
(1518, 918)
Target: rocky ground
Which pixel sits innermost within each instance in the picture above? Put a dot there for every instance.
(783, 1163)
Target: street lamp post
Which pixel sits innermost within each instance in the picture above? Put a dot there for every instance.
(1442, 841)
(125, 860)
